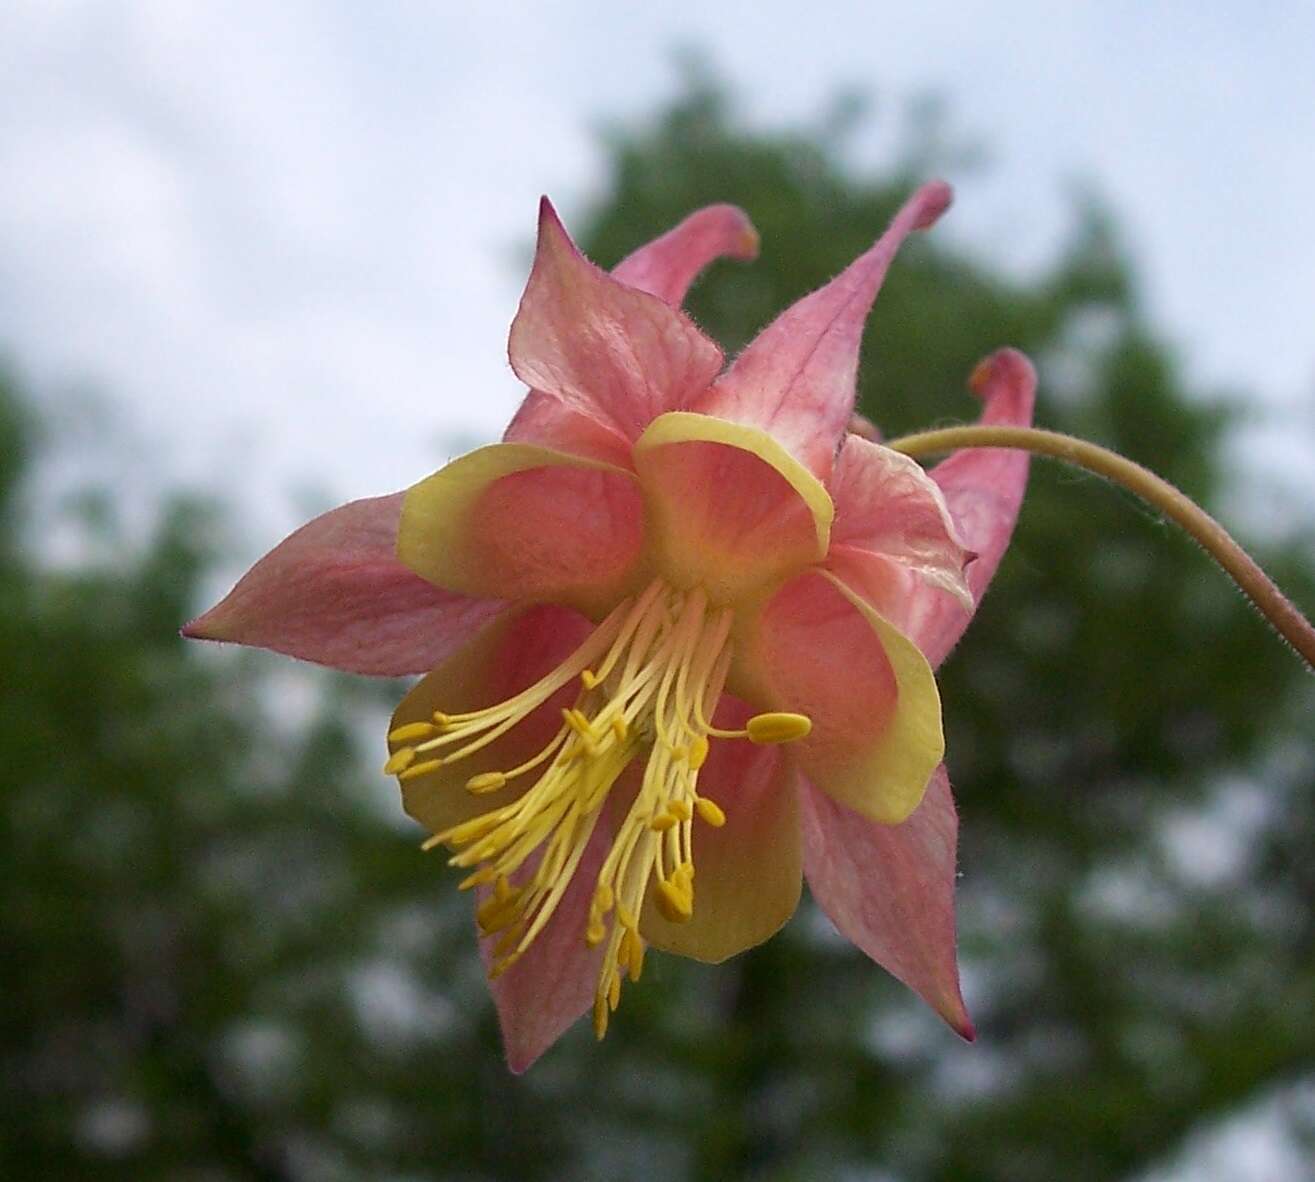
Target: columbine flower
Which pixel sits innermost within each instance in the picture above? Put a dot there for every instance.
(681, 628)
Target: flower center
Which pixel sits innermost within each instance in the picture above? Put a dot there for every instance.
(649, 677)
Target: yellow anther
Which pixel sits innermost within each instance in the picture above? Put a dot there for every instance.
(625, 917)
(710, 811)
(594, 933)
(636, 960)
(778, 727)
(698, 752)
(399, 761)
(680, 753)
(620, 728)
(419, 769)
(604, 898)
(494, 914)
(672, 903)
(600, 1017)
(588, 679)
(480, 877)
(503, 889)
(430, 843)
(577, 721)
(614, 991)
(681, 809)
(412, 731)
(441, 720)
(662, 822)
(471, 830)
(486, 782)
(508, 941)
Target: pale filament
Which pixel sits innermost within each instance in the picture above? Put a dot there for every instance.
(650, 677)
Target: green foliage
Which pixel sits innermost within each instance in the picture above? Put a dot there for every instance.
(224, 957)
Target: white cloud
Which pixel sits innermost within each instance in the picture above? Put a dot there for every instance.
(283, 234)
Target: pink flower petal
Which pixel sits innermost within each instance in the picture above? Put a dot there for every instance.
(983, 488)
(668, 265)
(615, 354)
(890, 889)
(534, 524)
(796, 380)
(888, 509)
(553, 983)
(817, 649)
(494, 664)
(665, 268)
(728, 507)
(335, 593)
(747, 873)
(546, 420)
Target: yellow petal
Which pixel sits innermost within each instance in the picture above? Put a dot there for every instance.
(747, 871)
(728, 507)
(818, 649)
(520, 522)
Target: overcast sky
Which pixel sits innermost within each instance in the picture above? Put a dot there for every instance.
(284, 235)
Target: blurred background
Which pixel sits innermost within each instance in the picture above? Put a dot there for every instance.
(255, 260)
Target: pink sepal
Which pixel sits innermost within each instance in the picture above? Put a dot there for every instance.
(334, 593)
(615, 354)
(983, 488)
(796, 380)
(553, 983)
(668, 265)
(890, 889)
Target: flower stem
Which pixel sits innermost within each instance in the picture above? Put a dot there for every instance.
(1236, 563)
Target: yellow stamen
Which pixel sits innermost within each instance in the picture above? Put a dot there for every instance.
(486, 782)
(635, 961)
(778, 727)
(416, 770)
(412, 732)
(710, 811)
(672, 903)
(399, 761)
(646, 682)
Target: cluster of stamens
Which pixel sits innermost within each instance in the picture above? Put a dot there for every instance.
(648, 677)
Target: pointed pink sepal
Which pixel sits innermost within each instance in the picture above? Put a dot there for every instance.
(553, 983)
(668, 265)
(796, 380)
(983, 489)
(890, 889)
(613, 353)
(664, 268)
(334, 593)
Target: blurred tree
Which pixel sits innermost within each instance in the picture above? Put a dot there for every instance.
(224, 958)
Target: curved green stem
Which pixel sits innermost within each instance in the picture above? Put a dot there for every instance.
(1236, 563)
